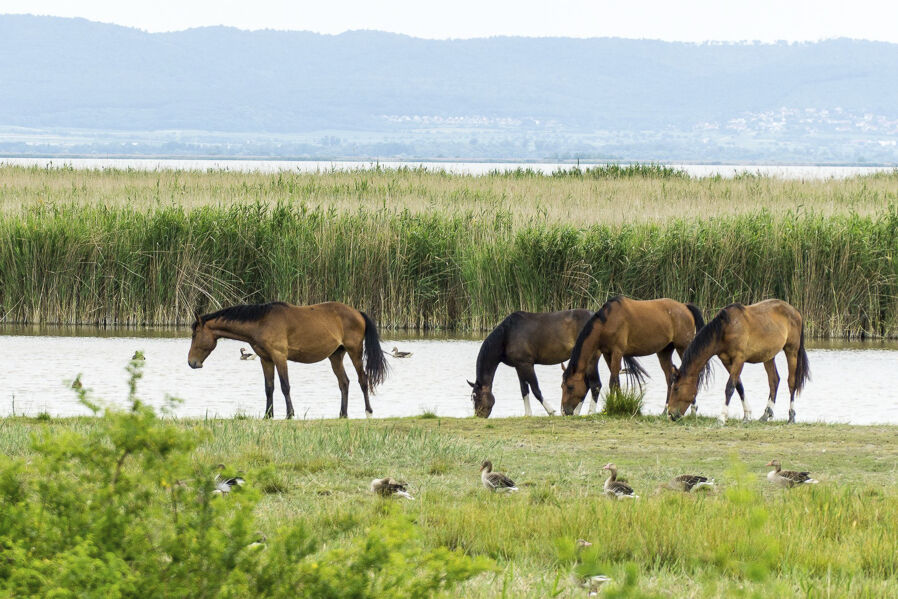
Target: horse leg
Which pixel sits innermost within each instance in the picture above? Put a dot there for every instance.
(792, 362)
(268, 372)
(666, 365)
(614, 367)
(534, 386)
(595, 386)
(336, 359)
(734, 368)
(525, 389)
(773, 378)
(281, 366)
(356, 358)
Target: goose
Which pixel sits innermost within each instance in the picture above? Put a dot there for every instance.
(400, 354)
(688, 483)
(617, 488)
(788, 478)
(495, 481)
(223, 485)
(245, 355)
(594, 583)
(386, 487)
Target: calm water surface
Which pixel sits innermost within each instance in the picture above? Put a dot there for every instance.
(468, 168)
(853, 383)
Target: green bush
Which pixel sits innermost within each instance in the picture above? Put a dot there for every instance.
(124, 511)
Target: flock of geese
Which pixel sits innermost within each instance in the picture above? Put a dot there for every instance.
(616, 488)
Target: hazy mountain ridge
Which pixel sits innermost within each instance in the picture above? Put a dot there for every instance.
(534, 97)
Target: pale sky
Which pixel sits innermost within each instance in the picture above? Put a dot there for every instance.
(688, 20)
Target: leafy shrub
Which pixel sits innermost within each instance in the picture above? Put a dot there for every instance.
(122, 511)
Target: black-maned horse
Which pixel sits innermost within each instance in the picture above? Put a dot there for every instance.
(279, 332)
(520, 341)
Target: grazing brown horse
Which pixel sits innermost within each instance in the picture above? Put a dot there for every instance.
(279, 332)
(522, 340)
(624, 328)
(740, 334)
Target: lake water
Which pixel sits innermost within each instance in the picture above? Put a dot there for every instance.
(470, 168)
(853, 383)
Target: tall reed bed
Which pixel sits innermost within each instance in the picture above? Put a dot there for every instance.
(464, 270)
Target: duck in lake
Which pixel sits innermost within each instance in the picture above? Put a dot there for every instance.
(245, 355)
(495, 481)
(400, 354)
(615, 488)
(387, 487)
(788, 478)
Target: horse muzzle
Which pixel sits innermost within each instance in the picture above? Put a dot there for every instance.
(194, 364)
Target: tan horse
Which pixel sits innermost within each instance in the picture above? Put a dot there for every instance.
(740, 334)
(624, 328)
(279, 332)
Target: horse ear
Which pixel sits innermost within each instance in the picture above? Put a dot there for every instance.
(472, 384)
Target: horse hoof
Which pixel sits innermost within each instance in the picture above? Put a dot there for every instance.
(721, 420)
(369, 414)
(791, 416)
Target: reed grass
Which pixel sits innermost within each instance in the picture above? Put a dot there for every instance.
(418, 249)
(744, 538)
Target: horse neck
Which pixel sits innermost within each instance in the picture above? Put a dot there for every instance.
(231, 329)
(695, 366)
(588, 348)
(488, 361)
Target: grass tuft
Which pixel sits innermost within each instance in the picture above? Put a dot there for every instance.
(624, 402)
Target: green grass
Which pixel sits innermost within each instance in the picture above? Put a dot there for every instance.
(745, 538)
(624, 402)
(429, 250)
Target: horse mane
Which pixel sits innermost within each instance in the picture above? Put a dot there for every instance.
(708, 335)
(240, 313)
(586, 331)
(493, 346)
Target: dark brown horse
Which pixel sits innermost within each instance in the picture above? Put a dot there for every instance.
(522, 340)
(279, 332)
(624, 328)
(740, 334)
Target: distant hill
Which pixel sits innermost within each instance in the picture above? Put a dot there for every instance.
(302, 93)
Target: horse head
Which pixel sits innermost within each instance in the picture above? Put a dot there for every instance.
(683, 389)
(573, 390)
(483, 398)
(202, 343)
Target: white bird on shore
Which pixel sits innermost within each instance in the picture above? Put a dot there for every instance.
(495, 481)
(223, 485)
(788, 478)
(616, 488)
(387, 487)
(688, 483)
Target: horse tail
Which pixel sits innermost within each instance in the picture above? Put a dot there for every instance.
(705, 374)
(696, 316)
(375, 364)
(635, 372)
(802, 367)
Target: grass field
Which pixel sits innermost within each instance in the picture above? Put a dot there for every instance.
(744, 539)
(418, 249)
